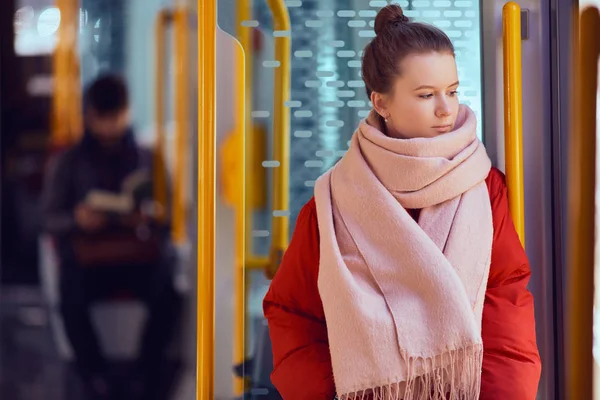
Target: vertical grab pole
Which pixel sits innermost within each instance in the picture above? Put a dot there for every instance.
(281, 135)
(66, 122)
(159, 170)
(582, 181)
(181, 46)
(207, 19)
(513, 114)
(242, 217)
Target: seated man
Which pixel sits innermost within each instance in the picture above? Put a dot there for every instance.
(108, 241)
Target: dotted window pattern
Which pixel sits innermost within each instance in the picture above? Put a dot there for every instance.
(328, 96)
(328, 38)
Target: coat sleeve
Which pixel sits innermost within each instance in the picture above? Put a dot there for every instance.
(511, 363)
(293, 308)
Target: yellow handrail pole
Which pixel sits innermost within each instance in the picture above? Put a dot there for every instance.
(207, 21)
(66, 122)
(160, 178)
(242, 217)
(257, 263)
(281, 135)
(181, 46)
(513, 114)
(582, 180)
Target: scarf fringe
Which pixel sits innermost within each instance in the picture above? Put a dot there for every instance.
(460, 379)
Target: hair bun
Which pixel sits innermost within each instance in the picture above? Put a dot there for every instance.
(388, 16)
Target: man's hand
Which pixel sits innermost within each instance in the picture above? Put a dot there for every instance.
(88, 219)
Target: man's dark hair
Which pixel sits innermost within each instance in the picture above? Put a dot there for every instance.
(107, 95)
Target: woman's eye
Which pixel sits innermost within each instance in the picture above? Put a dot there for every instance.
(453, 93)
(426, 96)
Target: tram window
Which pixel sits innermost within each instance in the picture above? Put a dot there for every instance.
(326, 85)
(327, 44)
(35, 28)
(100, 28)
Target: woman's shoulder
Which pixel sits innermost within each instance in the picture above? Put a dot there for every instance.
(307, 222)
(311, 206)
(496, 182)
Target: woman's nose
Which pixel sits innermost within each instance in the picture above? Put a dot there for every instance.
(442, 109)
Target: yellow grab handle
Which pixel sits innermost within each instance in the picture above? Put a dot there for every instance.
(207, 21)
(281, 136)
(513, 114)
(582, 181)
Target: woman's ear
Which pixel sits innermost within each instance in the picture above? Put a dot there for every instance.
(379, 102)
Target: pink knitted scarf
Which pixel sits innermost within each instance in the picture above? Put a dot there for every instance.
(403, 300)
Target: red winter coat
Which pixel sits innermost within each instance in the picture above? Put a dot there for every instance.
(293, 308)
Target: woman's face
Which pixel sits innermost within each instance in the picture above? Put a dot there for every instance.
(423, 101)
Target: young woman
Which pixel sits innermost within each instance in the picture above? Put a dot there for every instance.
(405, 278)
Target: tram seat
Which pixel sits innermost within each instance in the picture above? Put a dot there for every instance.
(120, 309)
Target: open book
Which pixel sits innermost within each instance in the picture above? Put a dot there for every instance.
(135, 188)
